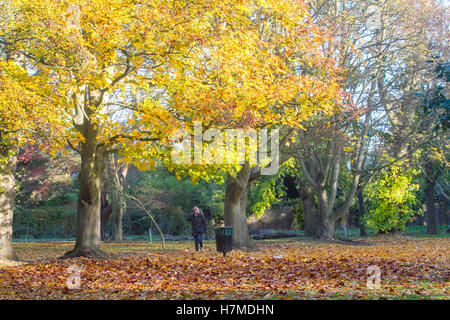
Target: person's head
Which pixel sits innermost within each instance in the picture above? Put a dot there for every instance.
(196, 210)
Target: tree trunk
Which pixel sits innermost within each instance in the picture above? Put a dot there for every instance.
(105, 213)
(118, 209)
(89, 204)
(7, 188)
(309, 210)
(361, 212)
(325, 220)
(116, 181)
(443, 208)
(445, 199)
(325, 226)
(235, 207)
(431, 209)
(445, 212)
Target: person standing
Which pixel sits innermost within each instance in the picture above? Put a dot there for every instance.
(198, 222)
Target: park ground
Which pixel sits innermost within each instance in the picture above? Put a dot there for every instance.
(298, 268)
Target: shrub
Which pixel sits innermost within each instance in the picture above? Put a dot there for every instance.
(391, 200)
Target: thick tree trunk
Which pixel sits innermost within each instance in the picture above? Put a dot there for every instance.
(325, 227)
(325, 220)
(431, 209)
(93, 153)
(328, 214)
(235, 207)
(7, 187)
(309, 211)
(89, 204)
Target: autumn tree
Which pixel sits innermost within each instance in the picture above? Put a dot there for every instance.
(131, 73)
(26, 111)
(98, 52)
(285, 42)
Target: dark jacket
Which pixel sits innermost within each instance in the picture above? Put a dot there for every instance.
(198, 223)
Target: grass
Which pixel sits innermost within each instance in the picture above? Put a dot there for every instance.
(44, 239)
(421, 232)
(411, 231)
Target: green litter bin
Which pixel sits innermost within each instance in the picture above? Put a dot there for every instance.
(223, 239)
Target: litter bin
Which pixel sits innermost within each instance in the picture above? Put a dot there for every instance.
(223, 239)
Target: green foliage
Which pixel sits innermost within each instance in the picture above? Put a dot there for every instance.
(434, 100)
(392, 199)
(299, 214)
(47, 221)
(170, 199)
(263, 194)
